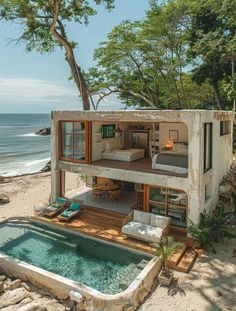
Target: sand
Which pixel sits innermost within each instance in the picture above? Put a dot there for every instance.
(210, 286)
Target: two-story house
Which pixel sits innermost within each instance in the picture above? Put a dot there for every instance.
(168, 162)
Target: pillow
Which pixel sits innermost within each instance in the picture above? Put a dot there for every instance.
(159, 221)
(74, 207)
(142, 217)
(60, 200)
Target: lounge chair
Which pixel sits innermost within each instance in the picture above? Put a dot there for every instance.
(56, 208)
(71, 212)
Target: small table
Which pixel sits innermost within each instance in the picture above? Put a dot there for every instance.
(106, 187)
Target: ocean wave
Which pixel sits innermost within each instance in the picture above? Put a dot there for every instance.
(29, 135)
(26, 167)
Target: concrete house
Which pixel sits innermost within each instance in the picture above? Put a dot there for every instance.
(168, 162)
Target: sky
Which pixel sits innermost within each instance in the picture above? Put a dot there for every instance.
(38, 83)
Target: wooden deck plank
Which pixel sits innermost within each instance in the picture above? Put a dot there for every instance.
(187, 260)
(102, 224)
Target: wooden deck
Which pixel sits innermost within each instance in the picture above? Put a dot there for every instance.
(102, 224)
(143, 165)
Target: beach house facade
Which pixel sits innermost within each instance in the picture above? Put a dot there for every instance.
(170, 162)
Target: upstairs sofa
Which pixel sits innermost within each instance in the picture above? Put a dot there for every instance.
(146, 226)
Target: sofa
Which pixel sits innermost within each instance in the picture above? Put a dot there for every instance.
(146, 226)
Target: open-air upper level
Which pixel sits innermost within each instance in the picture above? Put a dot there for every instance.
(154, 142)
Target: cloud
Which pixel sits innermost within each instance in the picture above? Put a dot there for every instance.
(28, 90)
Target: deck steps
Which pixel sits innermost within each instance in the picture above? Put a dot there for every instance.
(183, 259)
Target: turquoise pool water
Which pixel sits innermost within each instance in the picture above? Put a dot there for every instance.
(102, 266)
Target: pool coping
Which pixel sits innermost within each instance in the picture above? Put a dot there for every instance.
(61, 286)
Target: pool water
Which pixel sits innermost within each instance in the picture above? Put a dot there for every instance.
(107, 268)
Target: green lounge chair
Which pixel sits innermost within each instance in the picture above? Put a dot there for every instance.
(56, 207)
(71, 212)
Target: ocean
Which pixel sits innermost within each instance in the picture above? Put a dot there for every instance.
(21, 151)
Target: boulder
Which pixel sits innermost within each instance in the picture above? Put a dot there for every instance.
(13, 297)
(19, 305)
(4, 198)
(54, 305)
(47, 167)
(33, 307)
(44, 131)
(2, 278)
(15, 284)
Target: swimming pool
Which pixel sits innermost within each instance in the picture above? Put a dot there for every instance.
(102, 266)
(109, 277)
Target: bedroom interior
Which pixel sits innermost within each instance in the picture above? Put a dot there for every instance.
(163, 145)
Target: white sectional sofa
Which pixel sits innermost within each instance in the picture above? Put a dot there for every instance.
(146, 226)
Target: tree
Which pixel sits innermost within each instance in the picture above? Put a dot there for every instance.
(212, 39)
(44, 29)
(145, 63)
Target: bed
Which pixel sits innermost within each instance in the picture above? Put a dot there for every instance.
(171, 162)
(113, 151)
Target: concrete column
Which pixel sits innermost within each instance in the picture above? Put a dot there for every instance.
(195, 167)
(55, 173)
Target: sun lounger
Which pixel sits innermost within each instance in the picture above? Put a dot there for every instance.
(56, 208)
(71, 212)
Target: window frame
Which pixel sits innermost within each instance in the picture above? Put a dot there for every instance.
(87, 131)
(206, 169)
(166, 202)
(225, 130)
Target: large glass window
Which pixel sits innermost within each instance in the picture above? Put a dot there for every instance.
(168, 202)
(207, 146)
(74, 141)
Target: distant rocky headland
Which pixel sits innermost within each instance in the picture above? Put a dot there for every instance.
(44, 131)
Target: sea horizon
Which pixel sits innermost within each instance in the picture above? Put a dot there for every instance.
(21, 150)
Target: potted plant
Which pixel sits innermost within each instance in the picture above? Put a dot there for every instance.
(165, 250)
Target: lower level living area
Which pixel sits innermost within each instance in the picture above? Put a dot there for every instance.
(124, 197)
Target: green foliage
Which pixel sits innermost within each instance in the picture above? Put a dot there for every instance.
(179, 56)
(166, 249)
(211, 228)
(199, 232)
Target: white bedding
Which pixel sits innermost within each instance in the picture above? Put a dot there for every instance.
(170, 168)
(127, 155)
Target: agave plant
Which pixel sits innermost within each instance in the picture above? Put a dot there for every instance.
(165, 250)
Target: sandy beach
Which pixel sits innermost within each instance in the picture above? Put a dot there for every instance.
(210, 286)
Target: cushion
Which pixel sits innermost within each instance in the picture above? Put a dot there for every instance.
(60, 200)
(74, 207)
(142, 217)
(153, 234)
(134, 228)
(66, 214)
(159, 221)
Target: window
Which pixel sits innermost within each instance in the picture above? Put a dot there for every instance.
(207, 147)
(74, 141)
(168, 202)
(108, 130)
(224, 127)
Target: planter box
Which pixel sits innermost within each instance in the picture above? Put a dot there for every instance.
(165, 280)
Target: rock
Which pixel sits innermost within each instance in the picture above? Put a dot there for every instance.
(1, 287)
(33, 307)
(16, 307)
(54, 305)
(47, 167)
(2, 278)
(15, 284)
(13, 297)
(44, 131)
(27, 287)
(4, 198)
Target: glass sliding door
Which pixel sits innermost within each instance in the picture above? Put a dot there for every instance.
(168, 202)
(74, 141)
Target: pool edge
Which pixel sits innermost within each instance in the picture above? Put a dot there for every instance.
(61, 286)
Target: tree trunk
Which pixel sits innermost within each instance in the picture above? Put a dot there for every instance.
(217, 95)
